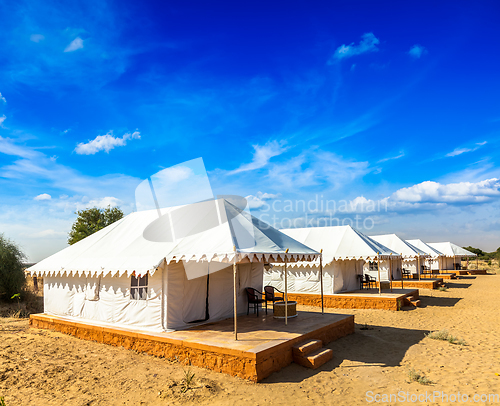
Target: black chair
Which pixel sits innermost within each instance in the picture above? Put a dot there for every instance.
(269, 295)
(405, 273)
(369, 281)
(253, 299)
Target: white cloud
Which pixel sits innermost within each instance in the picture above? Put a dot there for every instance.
(43, 196)
(36, 37)
(459, 193)
(460, 151)
(259, 200)
(416, 51)
(77, 43)
(2, 119)
(48, 233)
(368, 43)
(2, 99)
(261, 156)
(102, 203)
(105, 143)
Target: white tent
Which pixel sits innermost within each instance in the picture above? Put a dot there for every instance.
(164, 269)
(345, 252)
(452, 252)
(412, 256)
(435, 257)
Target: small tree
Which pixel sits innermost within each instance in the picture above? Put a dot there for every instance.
(12, 277)
(91, 220)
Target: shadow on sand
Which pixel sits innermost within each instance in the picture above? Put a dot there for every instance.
(454, 285)
(374, 346)
(428, 301)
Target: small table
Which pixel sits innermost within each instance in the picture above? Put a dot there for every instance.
(279, 309)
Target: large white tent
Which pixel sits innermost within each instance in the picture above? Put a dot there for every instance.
(345, 254)
(164, 269)
(412, 256)
(452, 252)
(435, 257)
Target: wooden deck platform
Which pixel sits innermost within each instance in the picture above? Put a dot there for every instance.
(427, 283)
(264, 344)
(443, 275)
(468, 272)
(360, 299)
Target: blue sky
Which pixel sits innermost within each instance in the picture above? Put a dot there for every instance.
(378, 104)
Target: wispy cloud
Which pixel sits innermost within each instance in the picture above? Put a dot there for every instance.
(2, 119)
(368, 43)
(401, 155)
(37, 37)
(77, 43)
(417, 51)
(313, 168)
(2, 99)
(261, 156)
(460, 151)
(105, 143)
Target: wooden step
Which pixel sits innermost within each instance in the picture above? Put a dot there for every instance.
(416, 303)
(316, 359)
(306, 347)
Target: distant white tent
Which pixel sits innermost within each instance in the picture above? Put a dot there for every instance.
(164, 269)
(413, 257)
(345, 254)
(436, 257)
(453, 254)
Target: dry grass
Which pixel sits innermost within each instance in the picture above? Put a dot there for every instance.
(493, 268)
(419, 377)
(444, 335)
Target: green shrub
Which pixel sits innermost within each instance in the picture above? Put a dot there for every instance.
(12, 277)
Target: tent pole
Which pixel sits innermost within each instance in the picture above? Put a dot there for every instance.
(378, 269)
(390, 270)
(402, 276)
(235, 297)
(321, 279)
(477, 261)
(286, 291)
(419, 269)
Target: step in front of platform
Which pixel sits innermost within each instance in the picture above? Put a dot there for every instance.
(315, 359)
(306, 348)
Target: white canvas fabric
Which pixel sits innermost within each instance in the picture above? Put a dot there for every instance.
(412, 256)
(451, 250)
(400, 246)
(91, 280)
(451, 254)
(345, 252)
(123, 248)
(435, 261)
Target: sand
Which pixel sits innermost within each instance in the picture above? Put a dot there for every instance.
(49, 368)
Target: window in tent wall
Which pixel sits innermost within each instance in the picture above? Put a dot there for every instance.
(139, 287)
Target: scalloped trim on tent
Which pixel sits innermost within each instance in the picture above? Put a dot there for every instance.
(224, 258)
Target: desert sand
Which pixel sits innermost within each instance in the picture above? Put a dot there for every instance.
(49, 368)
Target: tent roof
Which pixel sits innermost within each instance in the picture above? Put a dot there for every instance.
(451, 250)
(393, 242)
(144, 241)
(434, 253)
(339, 243)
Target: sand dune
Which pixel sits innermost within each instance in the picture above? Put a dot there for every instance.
(43, 367)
